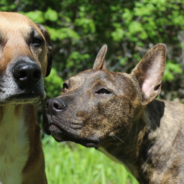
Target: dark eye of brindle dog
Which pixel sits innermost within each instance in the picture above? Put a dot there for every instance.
(65, 87)
(103, 91)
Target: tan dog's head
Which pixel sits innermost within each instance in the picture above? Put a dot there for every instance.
(97, 104)
(25, 59)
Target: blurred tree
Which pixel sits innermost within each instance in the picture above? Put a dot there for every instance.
(129, 28)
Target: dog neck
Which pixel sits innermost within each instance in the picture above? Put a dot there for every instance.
(12, 118)
(145, 150)
(14, 141)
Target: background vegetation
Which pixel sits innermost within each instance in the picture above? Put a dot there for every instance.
(75, 164)
(78, 29)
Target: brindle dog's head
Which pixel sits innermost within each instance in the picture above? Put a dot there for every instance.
(97, 104)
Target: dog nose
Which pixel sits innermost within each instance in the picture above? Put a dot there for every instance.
(55, 105)
(26, 74)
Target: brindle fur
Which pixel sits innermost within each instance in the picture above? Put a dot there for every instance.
(144, 134)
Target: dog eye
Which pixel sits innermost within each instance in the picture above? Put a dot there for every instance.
(36, 42)
(103, 91)
(65, 87)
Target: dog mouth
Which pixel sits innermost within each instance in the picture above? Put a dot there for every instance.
(33, 97)
(61, 135)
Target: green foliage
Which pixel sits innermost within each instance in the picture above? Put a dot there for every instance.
(75, 60)
(51, 15)
(74, 164)
(4, 6)
(36, 16)
(53, 84)
(79, 28)
(171, 68)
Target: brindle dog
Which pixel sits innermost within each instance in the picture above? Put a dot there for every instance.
(116, 113)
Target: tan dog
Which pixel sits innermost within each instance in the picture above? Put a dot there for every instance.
(25, 59)
(116, 113)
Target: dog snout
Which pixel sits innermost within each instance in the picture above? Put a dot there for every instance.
(26, 74)
(55, 105)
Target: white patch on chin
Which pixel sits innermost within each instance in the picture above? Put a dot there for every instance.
(14, 146)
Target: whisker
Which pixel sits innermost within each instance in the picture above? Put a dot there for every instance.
(119, 139)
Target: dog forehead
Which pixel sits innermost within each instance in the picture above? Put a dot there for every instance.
(16, 21)
(103, 77)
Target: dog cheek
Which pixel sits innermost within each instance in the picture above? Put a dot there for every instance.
(94, 124)
(121, 118)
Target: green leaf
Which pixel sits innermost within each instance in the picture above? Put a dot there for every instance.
(35, 16)
(51, 15)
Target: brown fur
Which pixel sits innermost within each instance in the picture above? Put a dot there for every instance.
(15, 33)
(116, 113)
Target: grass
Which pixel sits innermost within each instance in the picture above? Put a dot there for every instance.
(68, 163)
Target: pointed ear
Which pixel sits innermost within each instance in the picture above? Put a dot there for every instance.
(149, 72)
(100, 63)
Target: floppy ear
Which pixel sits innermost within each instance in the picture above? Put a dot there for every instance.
(149, 72)
(49, 47)
(100, 63)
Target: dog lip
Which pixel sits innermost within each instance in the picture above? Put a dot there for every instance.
(26, 95)
(92, 142)
(52, 127)
(66, 136)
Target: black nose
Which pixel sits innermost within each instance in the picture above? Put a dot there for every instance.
(55, 105)
(26, 74)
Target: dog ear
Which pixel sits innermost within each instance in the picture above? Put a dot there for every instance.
(49, 47)
(100, 63)
(149, 72)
